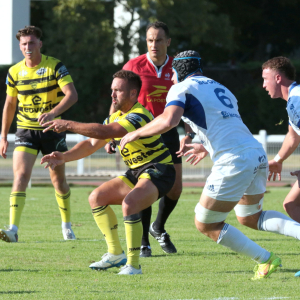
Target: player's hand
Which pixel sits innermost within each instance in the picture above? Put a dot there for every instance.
(196, 154)
(275, 169)
(296, 173)
(57, 125)
(129, 137)
(3, 147)
(111, 147)
(54, 159)
(46, 117)
(184, 141)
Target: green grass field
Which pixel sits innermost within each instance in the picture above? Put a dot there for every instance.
(43, 266)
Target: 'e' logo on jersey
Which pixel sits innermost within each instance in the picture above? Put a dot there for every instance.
(159, 91)
(36, 100)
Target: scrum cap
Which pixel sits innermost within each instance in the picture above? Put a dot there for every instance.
(186, 63)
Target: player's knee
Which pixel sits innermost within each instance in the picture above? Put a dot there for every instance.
(95, 199)
(175, 192)
(21, 178)
(129, 207)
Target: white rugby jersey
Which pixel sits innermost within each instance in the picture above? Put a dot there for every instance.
(212, 112)
(293, 107)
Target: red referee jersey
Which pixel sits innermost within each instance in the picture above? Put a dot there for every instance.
(155, 84)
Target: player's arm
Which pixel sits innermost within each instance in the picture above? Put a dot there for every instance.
(187, 139)
(92, 130)
(80, 150)
(7, 118)
(161, 124)
(289, 145)
(69, 99)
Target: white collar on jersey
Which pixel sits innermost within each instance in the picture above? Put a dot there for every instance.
(158, 72)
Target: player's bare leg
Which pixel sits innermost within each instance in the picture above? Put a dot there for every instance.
(291, 203)
(22, 167)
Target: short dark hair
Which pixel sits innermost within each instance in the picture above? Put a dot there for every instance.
(134, 80)
(158, 25)
(29, 30)
(281, 64)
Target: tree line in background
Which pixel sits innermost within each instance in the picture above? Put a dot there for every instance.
(233, 37)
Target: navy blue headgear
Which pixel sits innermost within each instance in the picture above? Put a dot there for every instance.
(186, 63)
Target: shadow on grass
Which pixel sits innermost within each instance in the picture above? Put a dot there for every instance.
(17, 292)
(17, 270)
(196, 254)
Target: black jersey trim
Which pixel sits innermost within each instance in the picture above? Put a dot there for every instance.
(143, 116)
(10, 77)
(154, 144)
(10, 84)
(161, 157)
(60, 64)
(39, 91)
(60, 94)
(38, 80)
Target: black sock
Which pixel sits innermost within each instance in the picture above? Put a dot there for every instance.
(146, 219)
(166, 206)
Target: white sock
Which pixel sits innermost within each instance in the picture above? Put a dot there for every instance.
(66, 225)
(274, 221)
(13, 227)
(235, 240)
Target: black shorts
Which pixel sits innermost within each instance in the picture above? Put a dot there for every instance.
(171, 140)
(162, 176)
(33, 141)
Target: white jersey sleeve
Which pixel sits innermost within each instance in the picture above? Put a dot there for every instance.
(293, 107)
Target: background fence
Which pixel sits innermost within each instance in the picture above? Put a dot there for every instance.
(102, 164)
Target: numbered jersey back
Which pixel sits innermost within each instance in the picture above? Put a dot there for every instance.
(212, 112)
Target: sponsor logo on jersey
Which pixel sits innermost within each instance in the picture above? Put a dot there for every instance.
(41, 71)
(138, 158)
(23, 143)
(211, 188)
(159, 91)
(33, 84)
(227, 115)
(20, 83)
(38, 109)
(36, 100)
(133, 118)
(154, 172)
(262, 158)
(63, 71)
(167, 75)
(23, 73)
(134, 249)
(115, 227)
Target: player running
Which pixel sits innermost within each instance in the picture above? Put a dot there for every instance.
(150, 176)
(239, 173)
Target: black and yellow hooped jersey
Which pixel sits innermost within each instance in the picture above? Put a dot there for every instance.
(38, 89)
(144, 150)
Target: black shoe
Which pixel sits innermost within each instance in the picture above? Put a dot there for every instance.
(145, 251)
(164, 240)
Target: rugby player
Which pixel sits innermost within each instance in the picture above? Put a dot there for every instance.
(155, 70)
(279, 81)
(150, 176)
(240, 169)
(41, 89)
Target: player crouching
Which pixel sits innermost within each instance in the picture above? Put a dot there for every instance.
(150, 176)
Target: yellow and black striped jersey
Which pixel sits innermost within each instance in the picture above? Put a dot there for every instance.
(38, 89)
(144, 150)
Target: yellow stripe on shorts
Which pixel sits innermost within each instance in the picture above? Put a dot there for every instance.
(126, 181)
(26, 149)
(145, 175)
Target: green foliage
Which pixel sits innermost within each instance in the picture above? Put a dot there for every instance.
(80, 33)
(43, 266)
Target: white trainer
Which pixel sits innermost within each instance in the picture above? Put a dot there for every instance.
(8, 236)
(68, 234)
(130, 270)
(109, 261)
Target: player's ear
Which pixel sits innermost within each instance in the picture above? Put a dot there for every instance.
(133, 93)
(168, 42)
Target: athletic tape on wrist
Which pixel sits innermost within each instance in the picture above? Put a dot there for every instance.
(277, 158)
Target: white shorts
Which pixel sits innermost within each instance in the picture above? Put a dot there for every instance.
(244, 173)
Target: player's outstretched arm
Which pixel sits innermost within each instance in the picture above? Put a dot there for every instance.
(80, 150)
(196, 154)
(92, 130)
(289, 145)
(69, 99)
(161, 124)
